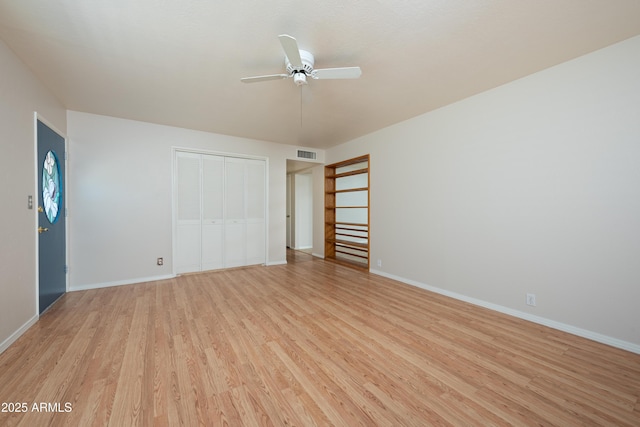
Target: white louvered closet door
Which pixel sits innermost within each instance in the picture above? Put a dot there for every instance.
(235, 219)
(255, 191)
(212, 212)
(188, 212)
(220, 212)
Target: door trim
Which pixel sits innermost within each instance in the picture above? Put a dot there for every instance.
(36, 163)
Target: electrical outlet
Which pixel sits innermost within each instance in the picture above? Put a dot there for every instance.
(531, 300)
(160, 261)
(379, 263)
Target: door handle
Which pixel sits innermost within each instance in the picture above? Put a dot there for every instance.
(42, 230)
(40, 209)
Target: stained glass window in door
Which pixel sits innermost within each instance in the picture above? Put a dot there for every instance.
(51, 187)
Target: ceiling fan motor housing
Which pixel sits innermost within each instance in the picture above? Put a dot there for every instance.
(307, 64)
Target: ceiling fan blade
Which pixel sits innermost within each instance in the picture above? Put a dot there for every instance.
(264, 78)
(337, 73)
(290, 47)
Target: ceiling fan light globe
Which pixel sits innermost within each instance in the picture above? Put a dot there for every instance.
(300, 79)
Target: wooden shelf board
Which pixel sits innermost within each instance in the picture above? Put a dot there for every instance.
(352, 248)
(348, 243)
(348, 190)
(349, 173)
(353, 255)
(354, 161)
(355, 224)
(353, 230)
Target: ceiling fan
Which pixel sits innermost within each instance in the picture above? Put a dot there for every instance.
(299, 65)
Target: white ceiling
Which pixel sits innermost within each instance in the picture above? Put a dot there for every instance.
(179, 62)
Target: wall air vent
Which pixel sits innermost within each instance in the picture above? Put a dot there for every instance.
(306, 154)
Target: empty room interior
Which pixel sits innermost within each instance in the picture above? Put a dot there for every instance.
(399, 213)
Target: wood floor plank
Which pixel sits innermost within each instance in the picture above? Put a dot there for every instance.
(304, 344)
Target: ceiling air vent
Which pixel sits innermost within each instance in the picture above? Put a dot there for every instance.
(306, 154)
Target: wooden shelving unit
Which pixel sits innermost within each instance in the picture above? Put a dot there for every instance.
(347, 211)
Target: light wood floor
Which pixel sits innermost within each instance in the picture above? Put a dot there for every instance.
(309, 343)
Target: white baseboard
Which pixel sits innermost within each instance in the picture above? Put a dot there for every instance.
(317, 255)
(594, 336)
(17, 334)
(120, 283)
(281, 262)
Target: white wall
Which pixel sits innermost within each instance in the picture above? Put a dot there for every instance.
(120, 195)
(303, 207)
(530, 187)
(21, 94)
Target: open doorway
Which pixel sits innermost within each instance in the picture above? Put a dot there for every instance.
(299, 205)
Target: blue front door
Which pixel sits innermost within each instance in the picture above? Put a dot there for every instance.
(51, 217)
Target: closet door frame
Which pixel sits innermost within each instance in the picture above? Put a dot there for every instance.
(174, 198)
